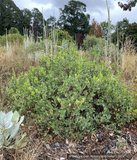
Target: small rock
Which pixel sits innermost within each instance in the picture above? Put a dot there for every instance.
(105, 149)
(72, 145)
(80, 152)
(47, 146)
(69, 151)
(99, 137)
(56, 145)
(67, 142)
(62, 158)
(108, 152)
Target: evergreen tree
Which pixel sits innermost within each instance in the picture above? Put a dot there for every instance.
(51, 23)
(121, 29)
(36, 14)
(26, 19)
(131, 31)
(10, 16)
(73, 19)
(104, 26)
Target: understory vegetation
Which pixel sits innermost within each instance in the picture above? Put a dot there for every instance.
(70, 95)
(66, 92)
(69, 92)
(67, 78)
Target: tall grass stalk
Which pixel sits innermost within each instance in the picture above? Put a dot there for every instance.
(109, 35)
(7, 44)
(117, 46)
(26, 38)
(44, 30)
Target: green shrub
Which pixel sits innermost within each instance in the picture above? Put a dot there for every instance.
(99, 48)
(91, 41)
(60, 35)
(13, 30)
(12, 38)
(35, 46)
(70, 95)
(3, 40)
(134, 109)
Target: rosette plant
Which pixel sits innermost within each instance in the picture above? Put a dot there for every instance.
(9, 127)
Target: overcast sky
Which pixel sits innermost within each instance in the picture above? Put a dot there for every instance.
(96, 8)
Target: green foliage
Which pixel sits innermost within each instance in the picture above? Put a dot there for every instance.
(132, 32)
(33, 47)
(26, 19)
(60, 36)
(38, 15)
(120, 30)
(134, 109)
(9, 127)
(104, 26)
(50, 24)
(69, 95)
(12, 38)
(100, 49)
(91, 41)
(13, 30)
(10, 16)
(73, 18)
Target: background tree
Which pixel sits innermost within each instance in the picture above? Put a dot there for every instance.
(79, 40)
(121, 29)
(13, 31)
(73, 19)
(26, 19)
(36, 14)
(104, 26)
(34, 28)
(50, 24)
(96, 29)
(131, 31)
(10, 16)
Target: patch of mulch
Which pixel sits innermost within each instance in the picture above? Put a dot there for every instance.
(102, 142)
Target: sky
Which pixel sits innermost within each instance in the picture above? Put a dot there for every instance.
(96, 8)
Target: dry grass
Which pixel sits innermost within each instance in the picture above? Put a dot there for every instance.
(12, 59)
(129, 61)
(125, 60)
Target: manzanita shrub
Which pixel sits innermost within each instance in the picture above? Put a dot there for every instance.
(134, 109)
(70, 95)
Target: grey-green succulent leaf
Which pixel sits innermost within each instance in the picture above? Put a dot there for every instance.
(21, 119)
(12, 132)
(9, 127)
(1, 141)
(6, 125)
(2, 116)
(8, 116)
(22, 143)
(16, 143)
(15, 117)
